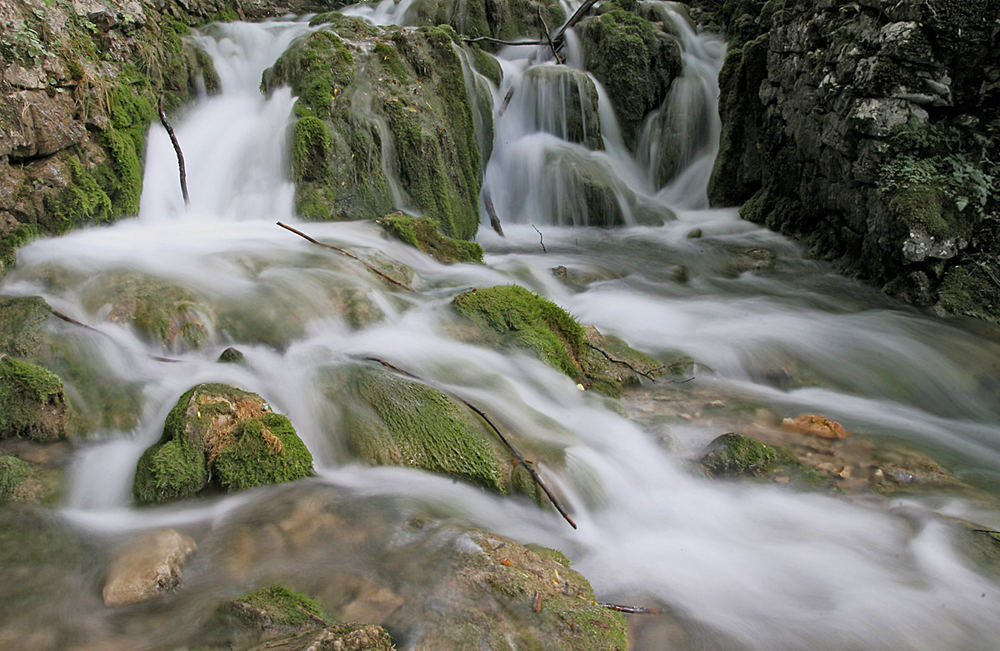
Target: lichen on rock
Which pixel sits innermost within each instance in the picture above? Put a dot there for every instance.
(221, 436)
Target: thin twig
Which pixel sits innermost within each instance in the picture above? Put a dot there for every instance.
(496, 430)
(541, 240)
(491, 211)
(632, 610)
(69, 319)
(177, 150)
(370, 268)
(506, 101)
(622, 362)
(548, 36)
(497, 41)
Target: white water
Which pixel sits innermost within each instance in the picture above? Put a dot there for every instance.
(757, 566)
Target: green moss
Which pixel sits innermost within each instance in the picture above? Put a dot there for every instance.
(312, 143)
(18, 236)
(318, 68)
(13, 471)
(82, 201)
(21, 318)
(254, 459)
(278, 607)
(634, 61)
(32, 403)
(414, 425)
(733, 454)
(486, 64)
(972, 291)
(423, 234)
(231, 356)
(390, 60)
(524, 319)
(168, 471)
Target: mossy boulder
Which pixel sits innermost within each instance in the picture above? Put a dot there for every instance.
(276, 609)
(395, 420)
(32, 401)
(220, 436)
(423, 234)
(384, 120)
(160, 310)
(735, 456)
(515, 317)
(634, 60)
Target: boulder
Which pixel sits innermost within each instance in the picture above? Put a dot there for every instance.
(32, 401)
(221, 436)
(146, 567)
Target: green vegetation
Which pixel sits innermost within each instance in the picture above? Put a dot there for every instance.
(278, 607)
(82, 201)
(20, 321)
(733, 454)
(266, 451)
(32, 403)
(13, 471)
(523, 319)
(422, 233)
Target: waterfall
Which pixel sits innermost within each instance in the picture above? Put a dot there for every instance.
(741, 565)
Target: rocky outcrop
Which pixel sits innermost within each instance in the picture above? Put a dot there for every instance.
(147, 566)
(221, 436)
(384, 118)
(868, 131)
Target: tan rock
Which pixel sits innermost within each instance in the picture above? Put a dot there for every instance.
(814, 425)
(146, 566)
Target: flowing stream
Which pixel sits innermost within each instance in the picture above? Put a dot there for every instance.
(743, 565)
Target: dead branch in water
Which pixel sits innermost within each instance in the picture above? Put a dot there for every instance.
(497, 41)
(370, 268)
(622, 362)
(632, 610)
(560, 36)
(541, 240)
(69, 319)
(177, 150)
(548, 37)
(494, 220)
(496, 430)
(506, 100)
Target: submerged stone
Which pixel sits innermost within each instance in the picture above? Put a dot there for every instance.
(276, 609)
(146, 567)
(221, 436)
(422, 233)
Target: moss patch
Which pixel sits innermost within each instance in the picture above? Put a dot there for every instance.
(423, 234)
(224, 436)
(523, 319)
(32, 403)
(13, 472)
(277, 607)
(82, 201)
(21, 319)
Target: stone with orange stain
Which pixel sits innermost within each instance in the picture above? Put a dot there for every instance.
(814, 425)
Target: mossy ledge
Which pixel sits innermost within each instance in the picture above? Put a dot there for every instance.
(223, 437)
(422, 233)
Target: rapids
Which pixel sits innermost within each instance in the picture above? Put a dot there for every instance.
(740, 565)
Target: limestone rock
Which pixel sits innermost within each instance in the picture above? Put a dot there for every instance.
(146, 567)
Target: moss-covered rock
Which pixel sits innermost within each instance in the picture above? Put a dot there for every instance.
(13, 472)
(422, 233)
(160, 310)
(634, 60)
(393, 420)
(564, 103)
(275, 608)
(223, 436)
(21, 319)
(32, 402)
(384, 118)
(734, 455)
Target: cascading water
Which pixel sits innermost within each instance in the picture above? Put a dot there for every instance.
(743, 565)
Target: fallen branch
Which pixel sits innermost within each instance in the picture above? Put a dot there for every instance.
(506, 101)
(69, 319)
(494, 220)
(497, 41)
(177, 150)
(622, 362)
(541, 240)
(496, 430)
(560, 37)
(632, 610)
(370, 268)
(548, 36)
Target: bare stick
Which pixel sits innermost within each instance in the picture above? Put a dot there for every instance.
(497, 41)
(506, 101)
(632, 610)
(541, 240)
(548, 36)
(177, 150)
(69, 319)
(560, 36)
(622, 362)
(496, 430)
(494, 220)
(370, 268)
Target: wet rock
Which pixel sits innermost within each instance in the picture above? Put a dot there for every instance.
(29, 475)
(231, 356)
(394, 420)
(611, 366)
(162, 311)
(423, 234)
(21, 319)
(504, 19)
(32, 402)
(223, 436)
(146, 567)
(346, 637)
(813, 425)
(383, 110)
(563, 102)
(276, 609)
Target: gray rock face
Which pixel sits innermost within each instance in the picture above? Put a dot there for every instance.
(867, 130)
